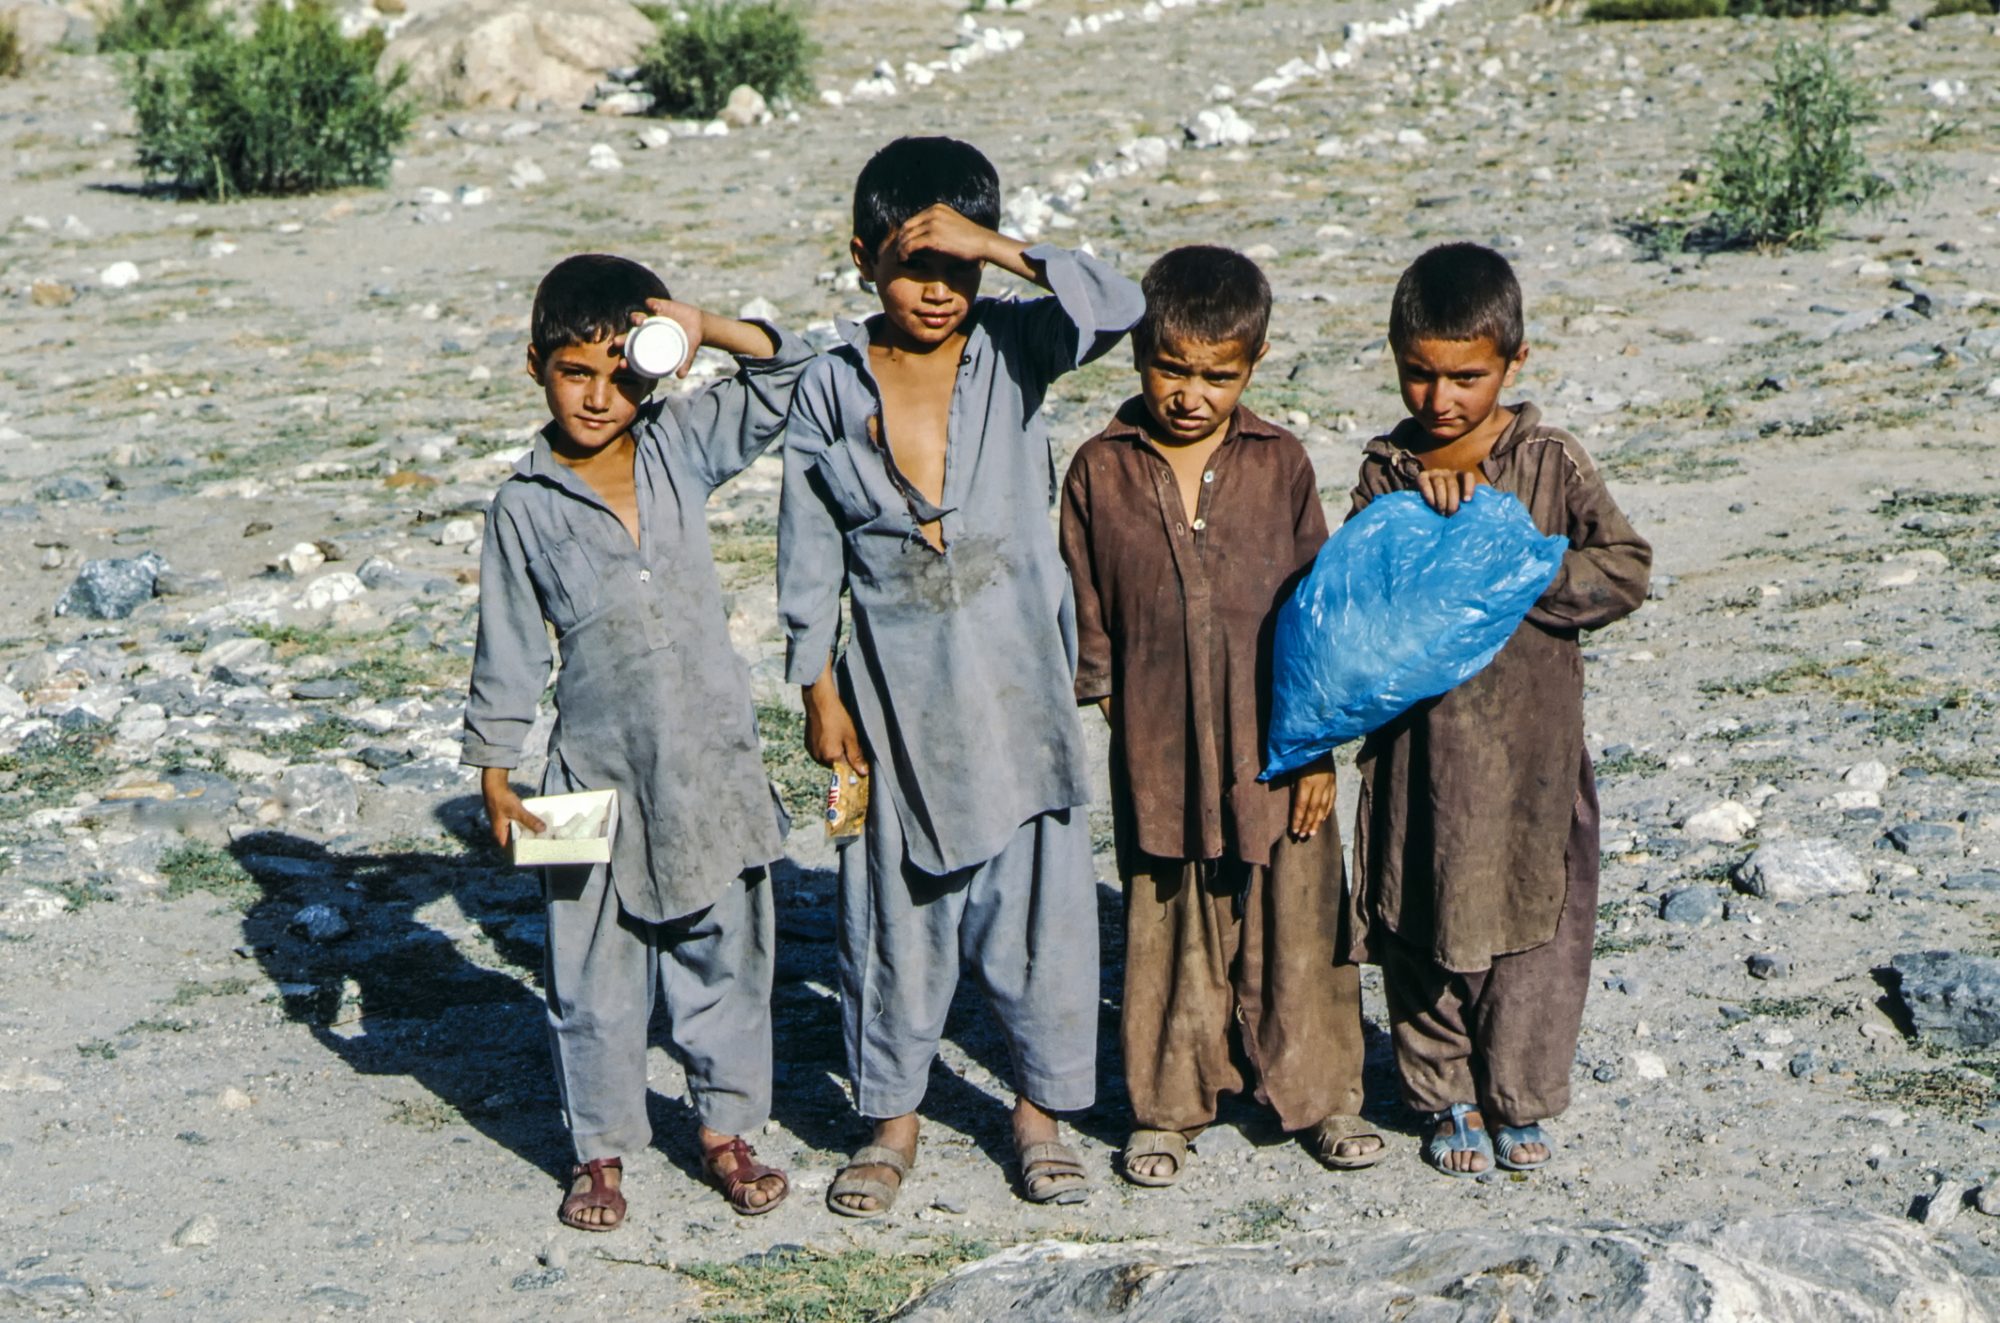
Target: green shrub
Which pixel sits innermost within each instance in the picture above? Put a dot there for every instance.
(696, 62)
(1639, 11)
(1946, 8)
(1776, 176)
(292, 108)
(159, 25)
(12, 58)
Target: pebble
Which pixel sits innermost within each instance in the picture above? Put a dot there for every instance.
(118, 275)
(301, 560)
(1803, 1065)
(1867, 776)
(456, 533)
(1696, 906)
(541, 1279)
(111, 589)
(602, 157)
(1724, 823)
(526, 174)
(1927, 839)
(1801, 869)
(321, 923)
(1945, 1204)
(198, 1232)
(746, 107)
(1987, 1200)
(330, 590)
(1769, 965)
(1648, 1066)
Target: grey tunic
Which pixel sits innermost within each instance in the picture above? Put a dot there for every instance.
(651, 698)
(962, 665)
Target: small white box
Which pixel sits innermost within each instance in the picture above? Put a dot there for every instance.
(590, 817)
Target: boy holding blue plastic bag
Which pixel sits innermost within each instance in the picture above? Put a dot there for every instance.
(1477, 832)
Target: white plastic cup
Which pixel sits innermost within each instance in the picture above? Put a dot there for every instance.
(656, 347)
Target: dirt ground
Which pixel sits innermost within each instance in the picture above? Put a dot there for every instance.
(203, 1113)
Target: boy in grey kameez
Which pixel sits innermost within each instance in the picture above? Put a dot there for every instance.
(918, 477)
(600, 533)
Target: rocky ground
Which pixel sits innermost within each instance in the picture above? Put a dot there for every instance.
(217, 1100)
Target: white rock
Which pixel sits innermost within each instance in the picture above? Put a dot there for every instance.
(655, 137)
(1870, 775)
(1723, 823)
(118, 275)
(509, 52)
(1854, 799)
(198, 1232)
(34, 905)
(302, 559)
(624, 103)
(758, 310)
(603, 158)
(20, 1077)
(247, 765)
(330, 590)
(471, 196)
(1648, 1066)
(526, 174)
(1801, 868)
(746, 107)
(456, 533)
(234, 1100)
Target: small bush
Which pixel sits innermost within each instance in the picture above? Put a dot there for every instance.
(12, 58)
(698, 61)
(1778, 175)
(1641, 11)
(1946, 8)
(292, 108)
(159, 25)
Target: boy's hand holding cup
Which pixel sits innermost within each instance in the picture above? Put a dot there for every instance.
(667, 324)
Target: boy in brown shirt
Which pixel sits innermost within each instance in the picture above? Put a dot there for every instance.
(1183, 522)
(1476, 837)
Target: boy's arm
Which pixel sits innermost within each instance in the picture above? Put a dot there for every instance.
(1093, 643)
(1375, 479)
(510, 668)
(732, 422)
(1093, 305)
(1605, 573)
(812, 555)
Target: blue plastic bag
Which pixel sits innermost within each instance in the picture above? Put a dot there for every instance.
(1402, 604)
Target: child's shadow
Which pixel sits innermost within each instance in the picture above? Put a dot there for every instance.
(397, 994)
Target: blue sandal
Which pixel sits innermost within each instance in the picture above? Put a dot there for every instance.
(1462, 1139)
(1508, 1138)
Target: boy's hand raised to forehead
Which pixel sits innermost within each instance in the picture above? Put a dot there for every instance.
(1444, 490)
(941, 230)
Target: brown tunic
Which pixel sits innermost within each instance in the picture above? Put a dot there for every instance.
(1467, 800)
(1174, 618)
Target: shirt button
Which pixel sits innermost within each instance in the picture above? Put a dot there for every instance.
(645, 576)
(1180, 528)
(1208, 476)
(1200, 524)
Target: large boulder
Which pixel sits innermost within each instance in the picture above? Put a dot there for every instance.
(1812, 1266)
(509, 52)
(45, 26)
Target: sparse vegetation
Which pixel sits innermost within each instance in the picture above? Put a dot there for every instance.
(801, 782)
(1777, 176)
(160, 25)
(192, 867)
(806, 1285)
(293, 108)
(1656, 11)
(13, 59)
(1946, 8)
(50, 772)
(716, 46)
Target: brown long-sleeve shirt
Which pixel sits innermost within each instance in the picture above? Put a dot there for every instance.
(1174, 618)
(1466, 799)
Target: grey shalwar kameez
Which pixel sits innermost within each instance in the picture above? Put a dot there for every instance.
(959, 675)
(651, 700)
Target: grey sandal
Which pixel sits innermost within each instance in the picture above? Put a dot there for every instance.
(1509, 1138)
(1140, 1144)
(1060, 1171)
(1462, 1139)
(847, 1185)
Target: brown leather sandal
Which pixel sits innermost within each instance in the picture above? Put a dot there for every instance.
(737, 1184)
(599, 1195)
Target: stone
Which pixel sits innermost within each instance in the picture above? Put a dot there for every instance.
(508, 52)
(320, 923)
(456, 533)
(302, 559)
(1870, 775)
(325, 689)
(1987, 1199)
(746, 107)
(248, 765)
(1945, 1203)
(118, 275)
(524, 174)
(184, 583)
(1769, 965)
(51, 294)
(330, 590)
(111, 589)
(235, 654)
(320, 798)
(1696, 906)
(67, 487)
(1724, 824)
(1802, 1266)
(1928, 839)
(1983, 880)
(1801, 869)
(1648, 1066)
(1951, 998)
(198, 1232)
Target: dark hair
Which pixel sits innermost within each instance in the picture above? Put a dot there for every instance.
(1458, 291)
(911, 174)
(590, 296)
(1207, 294)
